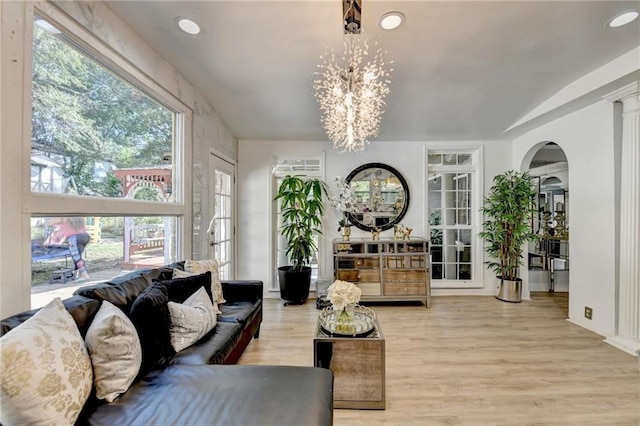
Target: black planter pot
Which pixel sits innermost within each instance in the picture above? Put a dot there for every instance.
(294, 285)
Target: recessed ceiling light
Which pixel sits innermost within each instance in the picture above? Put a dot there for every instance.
(188, 26)
(391, 20)
(623, 19)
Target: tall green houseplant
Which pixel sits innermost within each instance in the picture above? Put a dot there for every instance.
(507, 210)
(301, 207)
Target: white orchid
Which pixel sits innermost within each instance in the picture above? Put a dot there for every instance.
(344, 200)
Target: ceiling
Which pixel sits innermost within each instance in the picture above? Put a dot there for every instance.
(462, 70)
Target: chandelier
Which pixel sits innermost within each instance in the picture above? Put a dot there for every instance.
(351, 91)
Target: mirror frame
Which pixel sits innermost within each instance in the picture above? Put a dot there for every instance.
(405, 187)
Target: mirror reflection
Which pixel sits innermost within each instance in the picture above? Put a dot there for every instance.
(382, 196)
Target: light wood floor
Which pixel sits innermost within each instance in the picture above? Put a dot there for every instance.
(475, 361)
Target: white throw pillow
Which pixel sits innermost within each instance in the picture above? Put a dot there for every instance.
(114, 348)
(191, 320)
(45, 371)
(202, 266)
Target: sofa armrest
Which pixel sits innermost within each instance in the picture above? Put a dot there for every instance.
(242, 290)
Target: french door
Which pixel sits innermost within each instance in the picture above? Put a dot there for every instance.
(221, 232)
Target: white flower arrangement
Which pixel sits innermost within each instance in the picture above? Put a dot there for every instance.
(343, 293)
(344, 201)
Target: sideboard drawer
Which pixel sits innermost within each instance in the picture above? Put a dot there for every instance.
(360, 275)
(369, 275)
(369, 289)
(368, 262)
(404, 289)
(350, 275)
(404, 275)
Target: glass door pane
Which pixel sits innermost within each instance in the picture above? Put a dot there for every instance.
(221, 229)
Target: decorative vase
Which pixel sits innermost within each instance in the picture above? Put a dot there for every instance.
(344, 320)
(346, 233)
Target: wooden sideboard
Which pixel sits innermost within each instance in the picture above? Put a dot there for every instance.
(386, 269)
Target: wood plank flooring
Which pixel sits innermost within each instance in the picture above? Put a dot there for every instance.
(475, 361)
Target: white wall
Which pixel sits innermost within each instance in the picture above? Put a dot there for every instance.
(208, 130)
(587, 138)
(256, 159)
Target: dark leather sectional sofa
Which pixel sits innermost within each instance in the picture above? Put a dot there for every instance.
(192, 387)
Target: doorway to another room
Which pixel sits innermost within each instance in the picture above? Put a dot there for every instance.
(548, 260)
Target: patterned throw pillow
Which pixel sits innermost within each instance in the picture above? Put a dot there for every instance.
(45, 371)
(201, 266)
(191, 320)
(115, 351)
(178, 274)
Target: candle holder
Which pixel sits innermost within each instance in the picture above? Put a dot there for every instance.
(561, 231)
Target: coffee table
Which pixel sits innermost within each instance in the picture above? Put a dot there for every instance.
(358, 365)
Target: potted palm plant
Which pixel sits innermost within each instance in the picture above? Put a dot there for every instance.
(507, 210)
(301, 208)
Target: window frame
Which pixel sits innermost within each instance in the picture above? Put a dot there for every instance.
(275, 174)
(476, 192)
(49, 204)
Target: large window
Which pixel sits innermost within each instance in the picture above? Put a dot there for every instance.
(283, 167)
(88, 123)
(67, 252)
(453, 194)
(108, 155)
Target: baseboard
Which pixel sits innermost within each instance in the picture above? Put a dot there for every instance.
(627, 345)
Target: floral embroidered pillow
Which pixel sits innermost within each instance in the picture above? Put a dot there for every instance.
(115, 351)
(45, 370)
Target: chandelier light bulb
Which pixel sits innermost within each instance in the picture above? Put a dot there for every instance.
(368, 77)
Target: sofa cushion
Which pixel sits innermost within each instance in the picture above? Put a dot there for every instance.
(81, 308)
(150, 316)
(191, 320)
(114, 347)
(240, 312)
(213, 348)
(238, 290)
(149, 274)
(120, 291)
(45, 371)
(180, 289)
(225, 395)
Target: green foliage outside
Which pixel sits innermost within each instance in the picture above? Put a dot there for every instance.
(83, 114)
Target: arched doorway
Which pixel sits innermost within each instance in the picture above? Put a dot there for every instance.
(548, 259)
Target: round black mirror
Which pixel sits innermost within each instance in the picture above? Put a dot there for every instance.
(382, 196)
